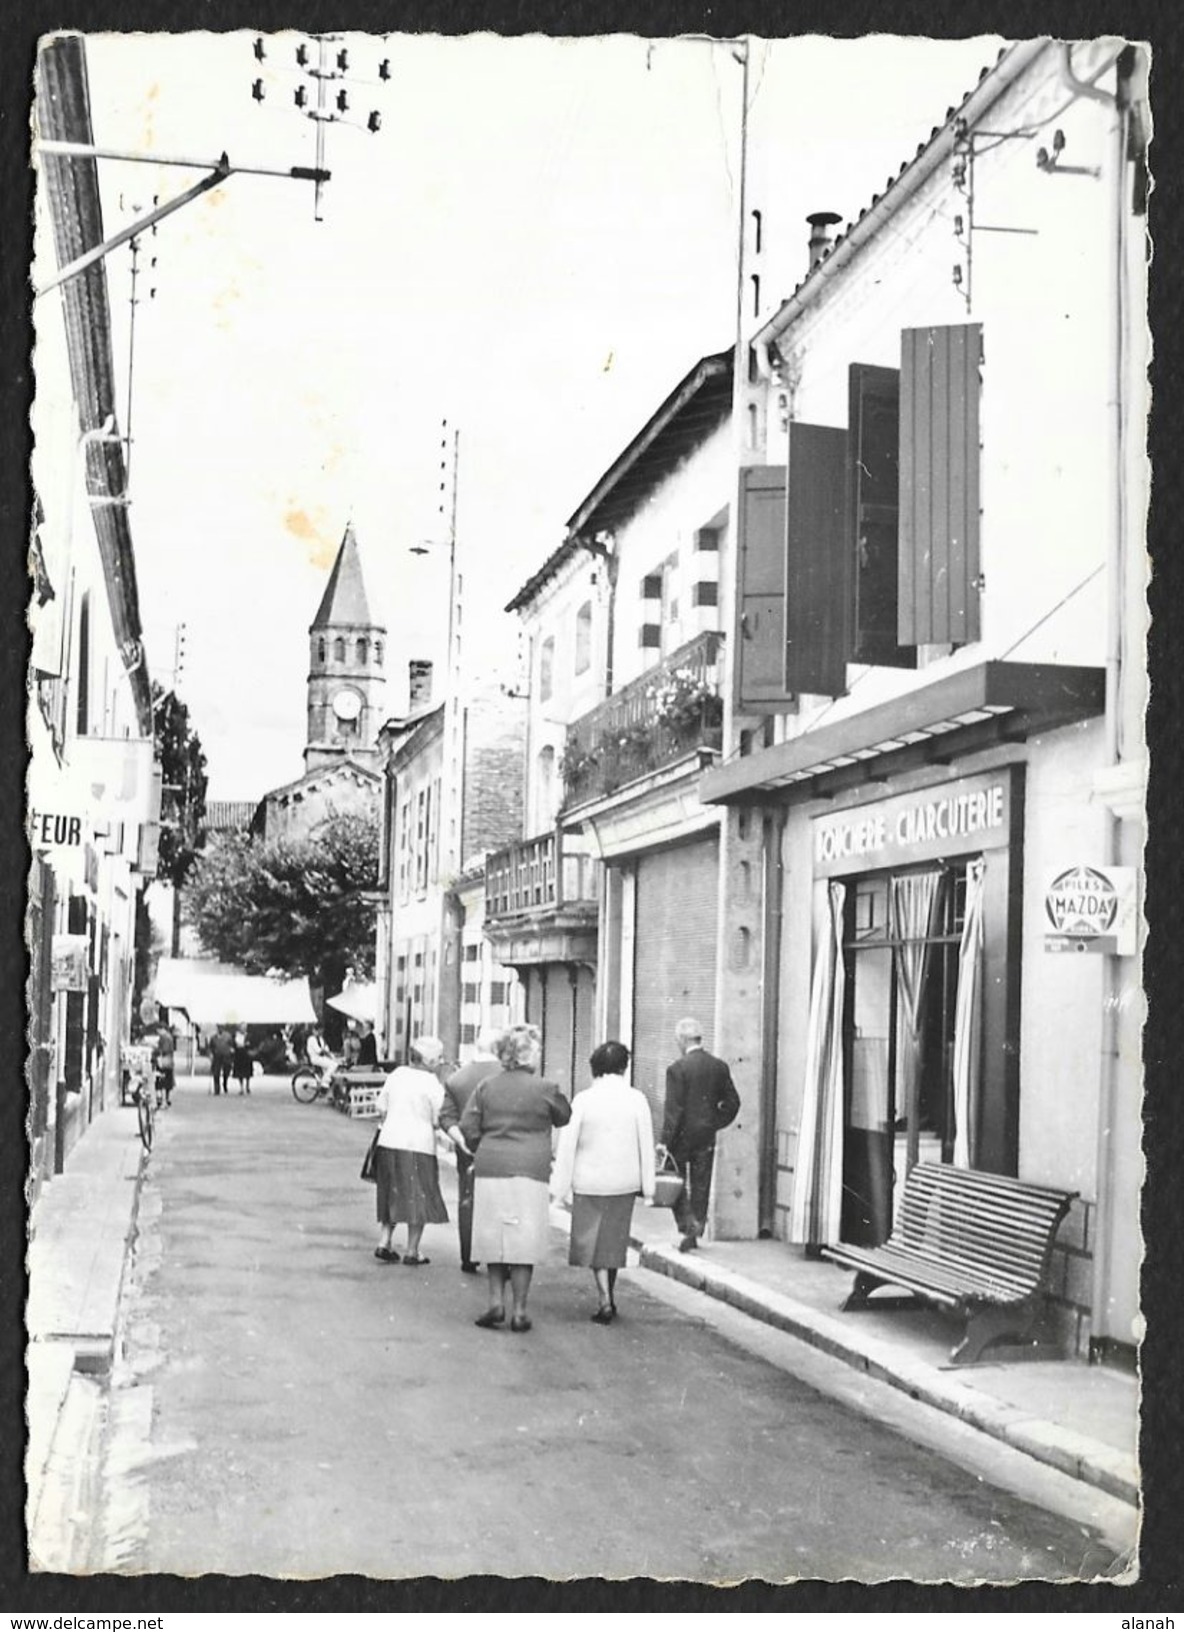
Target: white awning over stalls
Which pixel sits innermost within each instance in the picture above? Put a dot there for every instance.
(359, 1002)
(219, 994)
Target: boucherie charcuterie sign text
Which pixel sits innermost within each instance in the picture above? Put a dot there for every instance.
(958, 817)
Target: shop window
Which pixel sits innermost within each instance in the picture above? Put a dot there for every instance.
(584, 638)
(546, 668)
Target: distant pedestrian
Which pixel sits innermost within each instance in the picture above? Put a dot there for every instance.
(351, 1045)
(458, 1090)
(507, 1125)
(701, 1099)
(242, 1062)
(164, 1055)
(221, 1059)
(408, 1187)
(605, 1159)
(367, 1049)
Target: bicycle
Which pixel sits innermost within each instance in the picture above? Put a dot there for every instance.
(309, 1083)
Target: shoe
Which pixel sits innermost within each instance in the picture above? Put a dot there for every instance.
(491, 1317)
(386, 1255)
(688, 1243)
(469, 1268)
(414, 1258)
(604, 1317)
(520, 1323)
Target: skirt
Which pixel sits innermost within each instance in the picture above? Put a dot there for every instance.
(408, 1187)
(511, 1221)
(600, 1231)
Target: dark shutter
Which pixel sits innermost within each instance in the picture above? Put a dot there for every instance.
(759, 674)
(873, 510)
(939, 491)
(816, 593)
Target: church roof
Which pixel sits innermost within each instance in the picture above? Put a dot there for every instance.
(344, 602)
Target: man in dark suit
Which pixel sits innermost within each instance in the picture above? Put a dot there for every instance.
(458, 1090)
(701, 1099)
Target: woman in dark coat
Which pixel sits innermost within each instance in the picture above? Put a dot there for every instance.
(242, 1062)
(507, 1123)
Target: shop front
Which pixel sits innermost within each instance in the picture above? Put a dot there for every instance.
(913, 1027)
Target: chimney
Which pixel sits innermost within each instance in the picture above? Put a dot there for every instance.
(820, 237)
(419, 676)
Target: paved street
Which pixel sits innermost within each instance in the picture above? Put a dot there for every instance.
(288, 1407)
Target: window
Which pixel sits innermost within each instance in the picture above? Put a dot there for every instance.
(497, 993)
(82, 715)
(546, 668)
(339, 650)
(362, 648)
(320, 651)
(470, 991)
(468, 1033)
(423, 817)
(584, 638)
(873, 515)
(472, 952)
(378, 653)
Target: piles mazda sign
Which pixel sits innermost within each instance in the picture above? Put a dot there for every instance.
(1091, 909)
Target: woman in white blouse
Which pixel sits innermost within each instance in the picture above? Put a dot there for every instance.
(406, 1170)
(605, 1159)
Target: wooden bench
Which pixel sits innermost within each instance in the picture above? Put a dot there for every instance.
(976, 1243)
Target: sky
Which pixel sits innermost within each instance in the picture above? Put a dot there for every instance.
(537, 244)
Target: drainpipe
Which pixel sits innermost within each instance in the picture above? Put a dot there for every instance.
(1111, 979)
(773, 884)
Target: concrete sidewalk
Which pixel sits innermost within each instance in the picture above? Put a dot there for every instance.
(1077, 1418)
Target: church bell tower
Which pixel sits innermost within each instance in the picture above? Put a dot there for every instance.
(346, 677)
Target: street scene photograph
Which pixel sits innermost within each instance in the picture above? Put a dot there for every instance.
(586, 807)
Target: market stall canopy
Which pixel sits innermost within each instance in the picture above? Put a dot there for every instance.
(359, 1002)
(218, 993)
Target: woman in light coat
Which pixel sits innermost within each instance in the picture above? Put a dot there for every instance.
(605, 1159)
(406, 1170)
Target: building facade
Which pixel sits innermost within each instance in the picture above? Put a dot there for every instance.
(934, 755)
(93, 787)
(443, 810)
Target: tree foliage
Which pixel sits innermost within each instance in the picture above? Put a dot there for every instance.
(183, 794)
(301, 906)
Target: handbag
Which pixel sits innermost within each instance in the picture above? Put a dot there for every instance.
(370, 1160)
(668, 1181)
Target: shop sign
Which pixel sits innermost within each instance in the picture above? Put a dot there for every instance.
(57, 830)
(1091, 909)
(968, 815)
(69, 963)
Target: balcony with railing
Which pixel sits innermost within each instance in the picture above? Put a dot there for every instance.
(657, 719)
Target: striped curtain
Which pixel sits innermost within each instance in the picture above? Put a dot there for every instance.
(818, 1183)
(912, 909)
(968, 1019)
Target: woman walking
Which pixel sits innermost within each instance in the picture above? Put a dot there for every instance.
(407, 1174)
(507, 1123)
(242, 1062)
(605, 1158)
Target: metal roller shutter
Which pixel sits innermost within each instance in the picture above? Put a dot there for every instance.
(674, 958)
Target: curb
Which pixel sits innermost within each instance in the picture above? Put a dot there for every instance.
(1080, 1457)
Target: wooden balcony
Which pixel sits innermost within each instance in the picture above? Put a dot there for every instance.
(658, 718)
(535, 875)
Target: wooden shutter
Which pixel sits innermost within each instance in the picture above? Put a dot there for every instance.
(873, 515)
(816, 569)
(759, 670)
(939, 485)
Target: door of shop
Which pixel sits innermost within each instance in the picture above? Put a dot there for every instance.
(898, 1036)
(673, 958)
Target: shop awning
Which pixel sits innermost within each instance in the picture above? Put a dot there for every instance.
(957, 714)
(359, 1002)
(219, 994)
